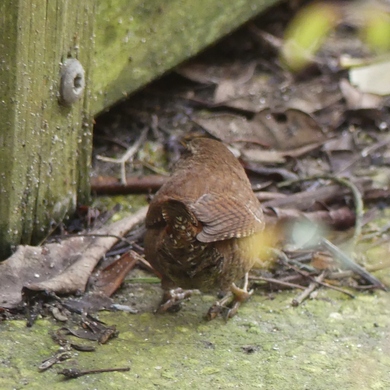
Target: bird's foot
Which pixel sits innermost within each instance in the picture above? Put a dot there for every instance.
(231, 302)
(172, 299)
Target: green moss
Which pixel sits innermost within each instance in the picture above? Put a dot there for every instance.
(137, 41)
(319, 345)
(129, 204)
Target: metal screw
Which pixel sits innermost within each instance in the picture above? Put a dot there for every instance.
(72, 81)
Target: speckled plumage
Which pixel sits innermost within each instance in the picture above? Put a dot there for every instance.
(203, 225)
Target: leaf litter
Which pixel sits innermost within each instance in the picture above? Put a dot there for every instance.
(315, 148)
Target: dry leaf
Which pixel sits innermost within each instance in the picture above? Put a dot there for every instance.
(63, 267)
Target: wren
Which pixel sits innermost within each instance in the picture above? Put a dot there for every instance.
(203, 227)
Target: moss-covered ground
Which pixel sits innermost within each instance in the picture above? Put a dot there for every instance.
(326, 343)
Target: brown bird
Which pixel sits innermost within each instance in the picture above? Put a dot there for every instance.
(203, 227)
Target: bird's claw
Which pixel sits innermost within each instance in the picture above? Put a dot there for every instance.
(172, 300)
(230, 302)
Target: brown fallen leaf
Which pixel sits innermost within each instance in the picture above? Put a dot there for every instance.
(111, 277)
(289, 129)
(357, 99)
(62, 267)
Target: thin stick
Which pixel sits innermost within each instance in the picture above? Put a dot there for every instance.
(134, 185)
(350, 264)
(356, 196)
(129, 154)
(306, 275)
(305, 294)
(364, 153)
(71, 373)
(337, 289)
(276, 281)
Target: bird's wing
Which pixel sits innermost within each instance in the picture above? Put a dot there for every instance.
(227, 217)
(170, 211)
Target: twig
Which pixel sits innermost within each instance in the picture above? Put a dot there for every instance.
(92, 235)
(337, 289)
(71, 373)
(364, 153)
(356, 195)
(276, 281)
(150, 280)
(154, 169)
(339, 275)
(294, 264)
(287, 261)
(134, 185)
(305, 294)
(131, 151)
(350, 264)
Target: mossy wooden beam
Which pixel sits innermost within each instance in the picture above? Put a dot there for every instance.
(138, 40)
(45, 147)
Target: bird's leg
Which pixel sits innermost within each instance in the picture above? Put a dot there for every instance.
(173, 298)
(231, 301)
(240, 295)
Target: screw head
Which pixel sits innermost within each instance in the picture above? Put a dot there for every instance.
(72, 81)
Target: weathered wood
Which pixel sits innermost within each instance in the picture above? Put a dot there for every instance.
(45, 148)
(138, 40)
